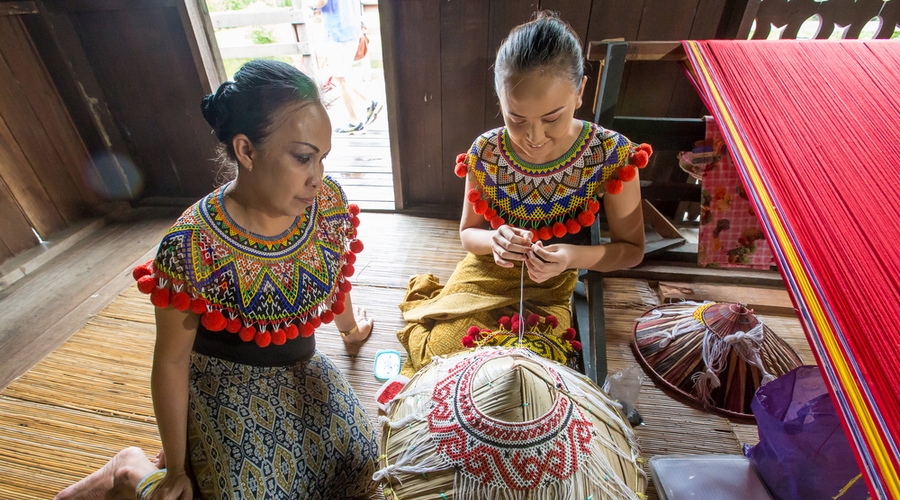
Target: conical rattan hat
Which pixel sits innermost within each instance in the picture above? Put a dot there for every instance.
(714, 354)
(500, 423)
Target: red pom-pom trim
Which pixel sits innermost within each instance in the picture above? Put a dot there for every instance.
(461, 158)
(348, 270)
(234, 325)
(356, 246)
(345, 286)
(351, 258)
(535, 237)
(572, 226)
(141, 271)
(354, 221)
(338, 308)
(627, 173)
(505, 322)
(327, 317)
(198, 306)
(263, 339)
(247, 334)
(181, 301)
(307, 329)
(545, 233)
(614, 186)
(146, 284)
(160, 297)
(646, 148)
(291, 332)
(473, 331)
(213, 321)
(279, 337)
(576, 345)
(340, 297)
(490, 214)
(551, 321)
(460, 170)
(480, 207)
(468, 341)
(533, 319)
(594, 206)
(473, 195)
(586, 218)
(640, 158)
(570, 334)
(496, 222)
(559, 229)
(353, 208)
(315, 322)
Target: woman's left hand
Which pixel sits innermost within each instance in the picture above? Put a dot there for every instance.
(544, 263)
(364, 327)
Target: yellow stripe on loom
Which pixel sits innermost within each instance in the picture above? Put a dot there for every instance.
(889, 474)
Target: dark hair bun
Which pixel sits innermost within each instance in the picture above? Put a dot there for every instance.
(215, 110)
(208, 107)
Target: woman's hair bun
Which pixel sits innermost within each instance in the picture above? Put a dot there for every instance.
(208, 107)
(215, 109)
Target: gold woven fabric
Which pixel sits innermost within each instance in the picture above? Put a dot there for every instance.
(478, 293)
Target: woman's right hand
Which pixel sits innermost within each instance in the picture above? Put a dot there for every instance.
(173, 486)
(510, 245)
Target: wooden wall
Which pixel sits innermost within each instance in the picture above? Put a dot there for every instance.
(439, 57)
(44, 165)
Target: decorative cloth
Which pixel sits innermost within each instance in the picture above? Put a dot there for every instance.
(267, 290)
(714, 354)
(730, 234)
(555, 198)
(802, 127)
(507, 424)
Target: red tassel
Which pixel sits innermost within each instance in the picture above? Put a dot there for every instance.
(338, 308)
(198, 306)
(559, 229)
(181, 301)
(533, 319)
(340, 297)
(586, 218)
(576, 345)
(473, 331)
(234, 325)
(351, 258)
(263, 339)
(505, 322)
(213, 321)
(646, 148)
(460, 170)
(490, 214)
(468, 341)
(480, 207)
(545, 233)
(353, 208)
(292, 331)
(614, 186)
(146, 284)
(348, 270)
(627, 173)
(535, 237)
(356, 246)
(496, 222)
(570, 334)
(354, 221)
(160, 297)
(473, 195)
(345, 286)
(247, 333)
(327, 317)
(279, 337)
(141, 271)
(640, 158)
(572, 226)
(551, 321)
(306, 329)
(594, 206)
(461, 158)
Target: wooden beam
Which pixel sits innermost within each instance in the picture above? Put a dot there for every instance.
(204, 48)
(655, 271)
(97, 5)
(17, 8)
(233, 19)
(640, 51)
(269, 49)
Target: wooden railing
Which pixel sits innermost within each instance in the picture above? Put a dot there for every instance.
(848, 16)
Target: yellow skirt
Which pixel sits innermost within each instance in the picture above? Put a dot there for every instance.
(478, 293)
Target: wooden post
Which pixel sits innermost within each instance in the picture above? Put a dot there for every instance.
(301, 34)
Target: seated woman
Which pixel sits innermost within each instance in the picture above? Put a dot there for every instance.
(246, 406)
(532, 192)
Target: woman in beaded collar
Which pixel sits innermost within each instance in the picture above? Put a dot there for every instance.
(533, 189)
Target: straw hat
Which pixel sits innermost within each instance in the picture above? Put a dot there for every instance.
(715, 354)
(501, 423)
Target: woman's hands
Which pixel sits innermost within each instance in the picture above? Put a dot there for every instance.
(174, 486)
(544, 263)
(510, 245)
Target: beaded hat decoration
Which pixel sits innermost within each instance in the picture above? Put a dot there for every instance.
(267, 290)
(554, 198)
(507, 424)
(537, 336)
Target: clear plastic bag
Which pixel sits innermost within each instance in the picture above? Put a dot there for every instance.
(624, 387)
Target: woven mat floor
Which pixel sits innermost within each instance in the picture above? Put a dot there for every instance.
(88, 399)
